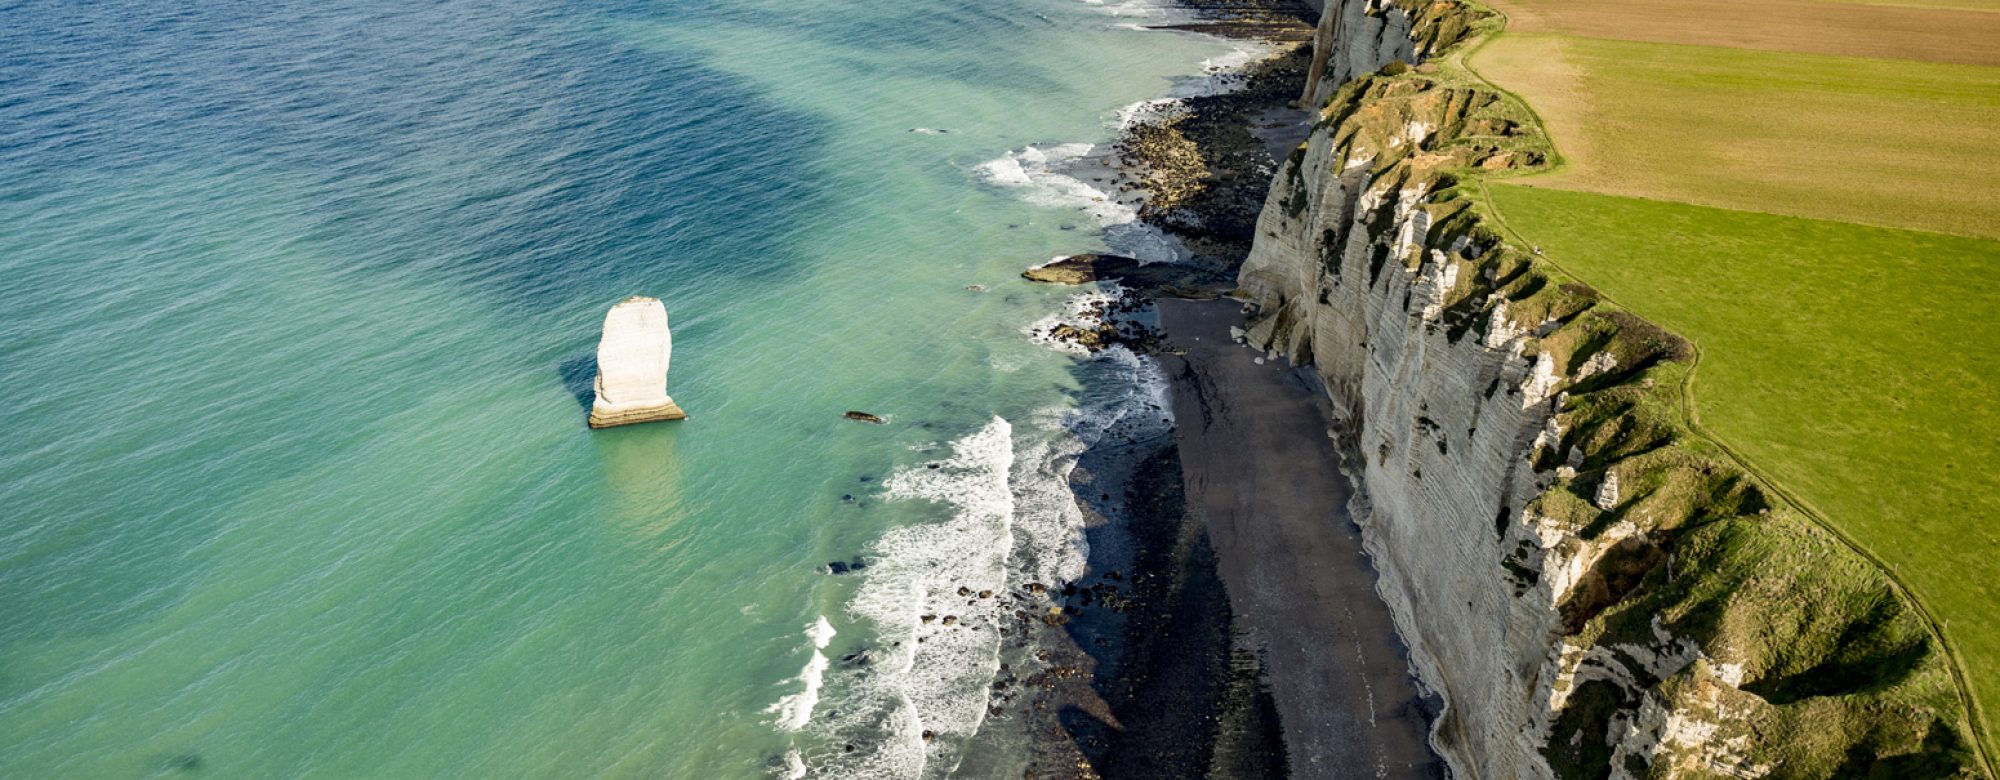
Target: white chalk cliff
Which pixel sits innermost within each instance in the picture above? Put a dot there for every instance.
(632, 366)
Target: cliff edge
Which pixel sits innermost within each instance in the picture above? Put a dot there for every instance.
(1592, 589)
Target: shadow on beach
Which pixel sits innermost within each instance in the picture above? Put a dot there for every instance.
(1176, 691)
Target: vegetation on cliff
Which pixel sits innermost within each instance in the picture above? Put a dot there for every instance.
(1822, 364)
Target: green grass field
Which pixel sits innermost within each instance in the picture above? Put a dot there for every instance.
(1874, 141)
(1855, 365)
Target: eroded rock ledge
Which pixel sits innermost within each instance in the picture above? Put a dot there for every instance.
(1593, 590)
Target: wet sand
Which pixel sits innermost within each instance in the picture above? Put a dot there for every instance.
(1261, 472)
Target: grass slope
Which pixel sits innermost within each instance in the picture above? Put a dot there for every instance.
(1854, 364)
(1878, 142)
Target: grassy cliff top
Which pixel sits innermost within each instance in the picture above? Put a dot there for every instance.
(1836, 358)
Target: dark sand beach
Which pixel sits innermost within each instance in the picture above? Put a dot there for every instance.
(1228, 625)
(1263, 475)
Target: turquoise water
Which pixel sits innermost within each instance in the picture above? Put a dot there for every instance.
(299, 301)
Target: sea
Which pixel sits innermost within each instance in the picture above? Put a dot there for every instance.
(298, 309)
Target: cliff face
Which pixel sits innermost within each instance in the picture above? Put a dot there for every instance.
(1355, 38)
(1593, 590)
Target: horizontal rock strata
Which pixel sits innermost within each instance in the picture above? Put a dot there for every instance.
(632, 362)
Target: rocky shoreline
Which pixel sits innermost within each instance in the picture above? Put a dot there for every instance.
(1204, 167)
(1537, 648)
(1200, 168)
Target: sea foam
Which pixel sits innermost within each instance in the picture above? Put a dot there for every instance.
(1008, 516)
(1085, 177)
(929, 677)
(1079, 311)
(1011, 519)
(1156, 11)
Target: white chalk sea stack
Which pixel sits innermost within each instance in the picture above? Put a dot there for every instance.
(632, 366)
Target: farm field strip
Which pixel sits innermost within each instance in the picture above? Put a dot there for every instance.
(1876, 142)
(1958, 31)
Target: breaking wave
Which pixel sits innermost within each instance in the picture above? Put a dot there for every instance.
(795, 711)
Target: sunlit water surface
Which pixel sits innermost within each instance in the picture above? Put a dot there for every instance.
(297, 309)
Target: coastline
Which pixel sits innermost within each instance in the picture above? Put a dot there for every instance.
(1179, 653)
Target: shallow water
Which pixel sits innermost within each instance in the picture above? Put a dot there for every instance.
(299, 304)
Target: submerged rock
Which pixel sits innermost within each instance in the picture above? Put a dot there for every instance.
(632, 361)
(865, 417)
(1090, 338)
(844, 567)
(1077, 269)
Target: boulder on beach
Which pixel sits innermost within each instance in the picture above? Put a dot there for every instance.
(632, 360)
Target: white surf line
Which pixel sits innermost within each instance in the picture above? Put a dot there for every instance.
(795, 710)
